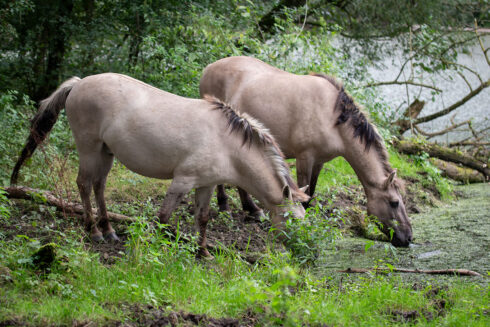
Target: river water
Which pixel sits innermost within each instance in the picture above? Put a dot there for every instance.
(454, 88)
(454, 235)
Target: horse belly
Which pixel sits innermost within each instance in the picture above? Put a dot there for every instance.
(146, 153)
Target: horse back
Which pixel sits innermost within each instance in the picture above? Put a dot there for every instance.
(150, 131)
(299, 110)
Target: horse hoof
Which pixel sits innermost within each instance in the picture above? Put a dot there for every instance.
(224, 207)
(255, 216)
(204, 254)
(111, 237)
(97, 238)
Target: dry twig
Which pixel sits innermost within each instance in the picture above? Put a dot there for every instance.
(461, 272)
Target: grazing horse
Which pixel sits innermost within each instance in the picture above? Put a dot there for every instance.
(198, 143)
(313, 120)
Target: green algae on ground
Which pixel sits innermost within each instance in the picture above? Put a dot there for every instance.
(453, 235)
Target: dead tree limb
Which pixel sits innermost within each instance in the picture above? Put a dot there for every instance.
(461, 272)
(441, 132)
(46, 197)
(443, 153)
(455, 105)
(407, 82)
(457, 173)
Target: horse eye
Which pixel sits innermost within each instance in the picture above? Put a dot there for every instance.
(394, 204)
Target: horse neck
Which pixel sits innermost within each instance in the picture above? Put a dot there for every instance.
(258, 176)
(367, 164)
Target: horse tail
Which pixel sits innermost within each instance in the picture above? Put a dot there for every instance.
(43, 122)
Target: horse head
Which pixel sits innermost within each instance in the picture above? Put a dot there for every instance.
(385, 202)
(291, 204)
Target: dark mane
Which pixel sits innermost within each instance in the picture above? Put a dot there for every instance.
(363, 129)
(251, 129)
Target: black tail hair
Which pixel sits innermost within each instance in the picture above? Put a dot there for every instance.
(43, 122)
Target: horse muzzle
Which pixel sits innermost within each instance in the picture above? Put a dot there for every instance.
(402, 240)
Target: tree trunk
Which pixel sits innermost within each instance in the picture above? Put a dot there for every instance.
(55, 35)
(443, 153)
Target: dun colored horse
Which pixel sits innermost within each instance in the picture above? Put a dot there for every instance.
(313, 120)
(198, 143)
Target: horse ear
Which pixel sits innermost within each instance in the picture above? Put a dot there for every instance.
(304, 188)
(389, 180)
(286, 193)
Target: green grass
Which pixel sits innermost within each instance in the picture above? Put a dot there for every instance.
(276, 291)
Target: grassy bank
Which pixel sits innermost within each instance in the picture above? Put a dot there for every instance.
(251, 281)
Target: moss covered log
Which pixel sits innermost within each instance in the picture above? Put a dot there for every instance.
(444, 153)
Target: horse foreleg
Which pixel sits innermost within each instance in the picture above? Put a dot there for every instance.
(304, 167)
(175, 194)
(317, 168)
(203, 196)
(249, 205)
(222, 198)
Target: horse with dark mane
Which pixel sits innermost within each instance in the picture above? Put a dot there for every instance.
(313, 120)
(198, 143)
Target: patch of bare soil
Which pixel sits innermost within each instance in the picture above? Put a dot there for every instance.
(35, 221)
(236, 230)
(151, 316)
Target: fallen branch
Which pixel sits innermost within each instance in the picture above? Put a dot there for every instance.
(460, 174)
(443, 153)
(27, 193)
(462, 272)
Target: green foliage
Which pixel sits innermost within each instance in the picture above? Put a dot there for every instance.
(433, 175)
(15, 111)
(4, 205)
(306, 237)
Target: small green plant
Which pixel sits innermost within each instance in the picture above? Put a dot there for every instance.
(305, 237)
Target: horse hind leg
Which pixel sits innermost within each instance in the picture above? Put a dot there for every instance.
(104, 166)
(249, 205)
(85, 182)
(222, 198)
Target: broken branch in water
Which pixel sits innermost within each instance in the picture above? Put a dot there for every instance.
(462, 272)
(27, 193)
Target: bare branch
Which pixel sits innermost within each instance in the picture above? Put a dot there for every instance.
(395, 82)
(455, 105)
(466, 81)
(481, 44)
(464, 272)
(444, 131)
(450, 63)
